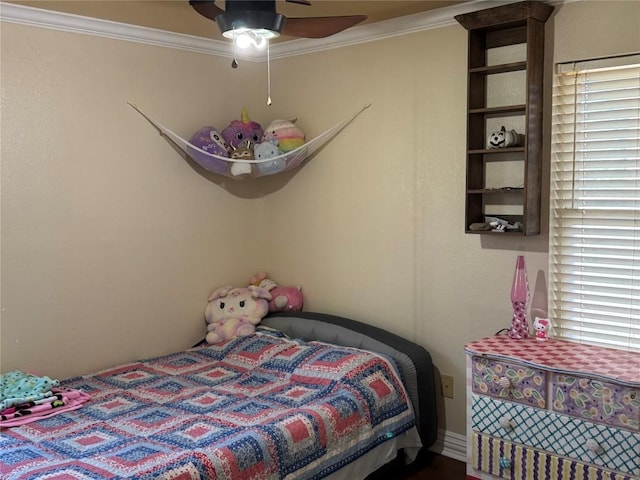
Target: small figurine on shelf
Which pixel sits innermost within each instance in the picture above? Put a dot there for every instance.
(542, 327)
(504, 138)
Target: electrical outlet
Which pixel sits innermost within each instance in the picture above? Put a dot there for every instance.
(447, 386)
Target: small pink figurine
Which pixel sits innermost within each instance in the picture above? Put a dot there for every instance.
(541, 326)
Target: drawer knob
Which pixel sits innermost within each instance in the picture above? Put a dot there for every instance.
(593, 446)
(504, 382)
(505, 422)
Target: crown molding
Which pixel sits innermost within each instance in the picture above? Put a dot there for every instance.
(441, 17)
(66, 22)
(394, 27)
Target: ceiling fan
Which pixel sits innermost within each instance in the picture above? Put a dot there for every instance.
(261, 16)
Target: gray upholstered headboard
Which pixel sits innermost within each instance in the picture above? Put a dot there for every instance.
(414, 361)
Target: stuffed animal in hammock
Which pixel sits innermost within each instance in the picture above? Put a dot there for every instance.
(234, 312)
(285, 133)
(210, 141)
(239, 131)
(243, 152)
(265, 150)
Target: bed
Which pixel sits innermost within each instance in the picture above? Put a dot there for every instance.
(309, 396)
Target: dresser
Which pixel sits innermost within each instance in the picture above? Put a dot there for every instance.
(552, 410)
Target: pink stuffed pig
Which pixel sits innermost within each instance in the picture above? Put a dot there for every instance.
(286, 299)
(283, 299)
(234, 312)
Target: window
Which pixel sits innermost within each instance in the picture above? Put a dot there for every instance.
(595, 203)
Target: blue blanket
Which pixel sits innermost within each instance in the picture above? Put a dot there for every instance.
(17, 387)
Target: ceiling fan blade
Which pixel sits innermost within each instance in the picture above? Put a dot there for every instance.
(206, 8)
(319, 27)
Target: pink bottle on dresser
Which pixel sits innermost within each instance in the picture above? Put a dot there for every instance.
(519, 299)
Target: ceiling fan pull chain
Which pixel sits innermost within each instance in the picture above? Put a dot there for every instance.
(268, 75)
(234, 62)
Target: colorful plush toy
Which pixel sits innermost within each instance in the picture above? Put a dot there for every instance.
(286, 299)
(504, 138)
(244, 151)
(209, 140)
(264, 151)
(234, 312)
(288, 136)
(241, 130)
(283, 299)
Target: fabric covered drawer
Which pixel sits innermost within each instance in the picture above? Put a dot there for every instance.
(596, 400)
(509, 380)
(563, 435)
(505, 459)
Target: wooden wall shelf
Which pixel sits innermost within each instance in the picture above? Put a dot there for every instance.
(491, 32)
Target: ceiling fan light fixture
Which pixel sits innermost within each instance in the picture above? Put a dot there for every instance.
(247, 37)
(262, 14)
(250, 27)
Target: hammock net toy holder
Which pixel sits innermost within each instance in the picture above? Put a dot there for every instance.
(269, 166)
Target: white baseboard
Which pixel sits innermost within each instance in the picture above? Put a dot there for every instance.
(451, 445)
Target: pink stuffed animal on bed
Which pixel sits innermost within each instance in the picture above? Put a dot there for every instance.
(283, 299)
(234, 312)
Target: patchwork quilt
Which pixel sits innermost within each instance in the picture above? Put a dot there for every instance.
(257, 407)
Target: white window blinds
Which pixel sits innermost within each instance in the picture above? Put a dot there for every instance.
(595, 203)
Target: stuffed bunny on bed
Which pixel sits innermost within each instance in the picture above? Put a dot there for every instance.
(234, 312)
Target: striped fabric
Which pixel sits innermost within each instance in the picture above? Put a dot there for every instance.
(515, 462)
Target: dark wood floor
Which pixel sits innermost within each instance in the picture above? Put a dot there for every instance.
(428, 465)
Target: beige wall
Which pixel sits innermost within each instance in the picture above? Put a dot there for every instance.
(111, 242)
(373, 229)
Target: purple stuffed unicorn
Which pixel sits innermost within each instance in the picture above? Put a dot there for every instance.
(242, 130)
